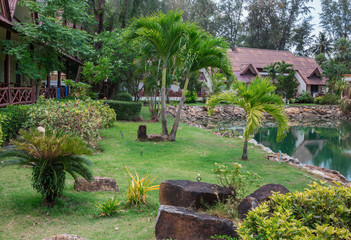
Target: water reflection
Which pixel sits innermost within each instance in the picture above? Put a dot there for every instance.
(328, 147)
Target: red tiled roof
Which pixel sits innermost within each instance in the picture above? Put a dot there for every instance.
(12, 6)
(241, 58)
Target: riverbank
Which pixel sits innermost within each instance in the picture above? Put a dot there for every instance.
(324, 116)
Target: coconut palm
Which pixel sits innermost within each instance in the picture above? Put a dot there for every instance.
(200, 51)
(165, 32)
(322, 45)
(51, 156)
(256, 99)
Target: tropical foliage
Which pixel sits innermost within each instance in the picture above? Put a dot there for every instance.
(138, 188)
(51, 155)
(256, 99)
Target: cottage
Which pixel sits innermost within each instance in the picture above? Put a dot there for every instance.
(14, 88)
(248, 63)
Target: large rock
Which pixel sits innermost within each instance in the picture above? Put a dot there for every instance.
(98, 184)
(260, 195)
(186, 193)
(64, 237)
(184, 224)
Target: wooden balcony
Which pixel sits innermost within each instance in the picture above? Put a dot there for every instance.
(26, 95)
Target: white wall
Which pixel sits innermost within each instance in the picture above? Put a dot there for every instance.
(302, 85)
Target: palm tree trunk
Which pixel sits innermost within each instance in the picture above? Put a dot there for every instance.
(163, 103)
(244, 156)
(179, 110)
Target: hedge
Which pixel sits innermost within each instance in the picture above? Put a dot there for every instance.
(125, 110)
(123, 97)
(12, 119)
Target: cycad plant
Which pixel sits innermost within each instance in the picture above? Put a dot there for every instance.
(256, 99)
(51, 156)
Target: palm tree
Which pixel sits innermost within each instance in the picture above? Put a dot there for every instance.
(201, 51)
(322, 45)
(51, 156)
(256, 99)
(216, 83)
(165, 32)
(342, 50)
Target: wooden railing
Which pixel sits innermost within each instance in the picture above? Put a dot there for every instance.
(16, 95)
(26, 95)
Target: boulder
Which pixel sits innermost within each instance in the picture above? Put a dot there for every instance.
(260, 195)
(142, 132)
(184, 224)
(64, 237)
(96, 185)
(292, 110)
(196, 195)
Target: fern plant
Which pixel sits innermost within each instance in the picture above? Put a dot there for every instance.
(138, 189)
(51, 156)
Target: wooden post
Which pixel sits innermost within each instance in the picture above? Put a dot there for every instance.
(8, 69)
(48, 81)
(79, 73)
(58, 79)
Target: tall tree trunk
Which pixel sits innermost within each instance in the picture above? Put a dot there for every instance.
(163, 102)
(244, 156)
(173, 134)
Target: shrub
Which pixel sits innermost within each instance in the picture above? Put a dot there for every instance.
(123, 97)
(80, 90)
(317, 100)
(78, 117)
(125, 110)
(190, 97)
(138, 189)
(109, 207)
(234, 178)
(305, 97)
(321, 212)
(12, 119)
(51, 155)
(329, 99)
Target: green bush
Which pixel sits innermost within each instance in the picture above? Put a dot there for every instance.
(12, 119)
(109, 207)
(329, 99)
(123, 97)
(125, 110)
(317, 100)
(190, 97)
(305, 97)
(321, 212)
(79, 117)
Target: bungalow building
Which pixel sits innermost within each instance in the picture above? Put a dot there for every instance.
(248, 63)
(14, 88)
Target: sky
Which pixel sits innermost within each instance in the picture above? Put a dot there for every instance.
(316, 4)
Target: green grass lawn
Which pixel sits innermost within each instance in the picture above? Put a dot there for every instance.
(195, 151)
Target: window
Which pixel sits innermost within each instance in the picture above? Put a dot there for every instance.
(314, 88)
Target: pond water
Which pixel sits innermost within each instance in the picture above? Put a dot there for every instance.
(319, 145)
